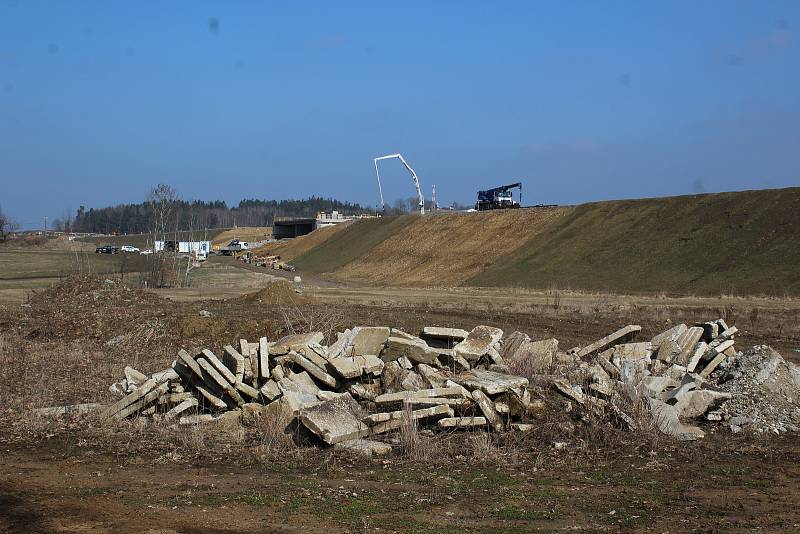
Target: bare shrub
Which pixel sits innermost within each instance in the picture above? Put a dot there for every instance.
(271, 435)
(326, 319)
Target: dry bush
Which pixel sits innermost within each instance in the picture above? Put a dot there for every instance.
(313, 318)
(272, 439)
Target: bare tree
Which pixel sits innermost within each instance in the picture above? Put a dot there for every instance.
(7, 226)
(161, 201)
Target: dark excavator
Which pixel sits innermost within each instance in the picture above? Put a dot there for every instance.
(499, 198)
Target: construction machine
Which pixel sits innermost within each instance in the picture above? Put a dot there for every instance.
(499, 198)
(413, 178)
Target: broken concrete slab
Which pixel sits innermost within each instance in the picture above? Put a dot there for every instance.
(336, 420)
(688, 343)
(398, 418)
(137, 406)
(263, 358)
(220, 381)
(314, 370)
(415, 350)
(366, 340)
(432, 377)
(699, 352)
(346, 367)
(461, 422)
(672, 334)
(696, 403)
(364, 447)
(489, 412)
(66, 411)
(134, 377)
(233, 361)
(211, 358)
(538, 355)
(393, 398)
(477, 343)
(666, 418)
(711, 367)
(130, 398)
(270, 390)
(184, 406)
(304, 382)
(295, 342)
(511, 344)
(453, 362)
(489, 382)
(444, 334)
(247, 389)
(610, 340)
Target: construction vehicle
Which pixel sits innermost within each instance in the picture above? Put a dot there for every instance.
(499, 198)
(413, 177)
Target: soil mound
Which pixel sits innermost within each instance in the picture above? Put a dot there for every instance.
(277, 293)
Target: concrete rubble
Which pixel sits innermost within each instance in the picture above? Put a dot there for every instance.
(375, 380)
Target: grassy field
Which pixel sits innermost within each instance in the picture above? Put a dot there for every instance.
(22, 270)
(143, 241)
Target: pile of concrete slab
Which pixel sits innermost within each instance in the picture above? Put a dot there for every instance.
(375, 380)
(371, 381)
(673, 376)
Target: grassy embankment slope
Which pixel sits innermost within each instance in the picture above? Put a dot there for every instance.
(741, 243)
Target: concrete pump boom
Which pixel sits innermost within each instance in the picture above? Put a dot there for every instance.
(413, 177)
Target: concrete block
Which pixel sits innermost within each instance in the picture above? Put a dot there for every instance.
(164, 375)
(688, 343)
(336, 420)
(666, 418)
(488, 409)
(708, 369)
(673, 334)
(697, 355)
(314, 370)
(444, 334)
(129, 399)
(346, 367)
(270, 390)
(304, 382)
(393, 398)
(453, 362)
(65, 411)
(184, 406)
(135, 377)
(295, 342)
(211, 358)
(142, 402)
(461, 422)
(263, 358)
(234, 362)
(397, 418)
(219, 381)
(489, 382)
(538, 354)
(696, 403)
(610, 340)
(365, 340)
(432, 377)
(247, 390)
(415, 350)
(477, 342)
(364, 447)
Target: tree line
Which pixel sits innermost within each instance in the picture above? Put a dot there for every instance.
(192, 215)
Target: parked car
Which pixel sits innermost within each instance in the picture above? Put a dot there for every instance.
(129, 249)
(106, 249)
(147, 251)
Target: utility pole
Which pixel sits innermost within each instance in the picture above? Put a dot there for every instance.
(45, 225)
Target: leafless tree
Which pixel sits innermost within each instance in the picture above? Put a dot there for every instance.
(161, 202)
(7, 226)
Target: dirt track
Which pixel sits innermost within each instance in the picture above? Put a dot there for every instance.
(730, 485)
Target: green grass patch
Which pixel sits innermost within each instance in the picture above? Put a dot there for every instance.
(353, 242)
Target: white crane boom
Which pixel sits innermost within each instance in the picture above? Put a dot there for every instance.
(413, 177)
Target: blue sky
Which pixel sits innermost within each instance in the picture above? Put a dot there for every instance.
(580, 100)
